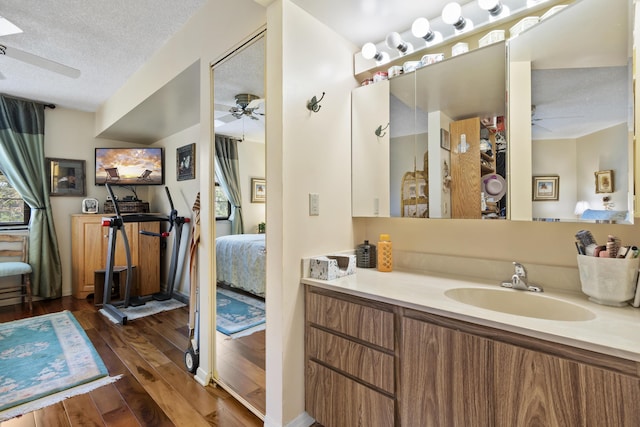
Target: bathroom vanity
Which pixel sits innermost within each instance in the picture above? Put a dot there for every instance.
(392, 349)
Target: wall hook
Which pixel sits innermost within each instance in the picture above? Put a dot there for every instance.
(314, 104)
(379, 131)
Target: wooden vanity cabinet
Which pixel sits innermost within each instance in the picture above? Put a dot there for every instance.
(444, 380)
(452, 373)
(89, 247)
(350, 360)
(457, 373)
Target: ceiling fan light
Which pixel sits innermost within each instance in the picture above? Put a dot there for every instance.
(7, 27)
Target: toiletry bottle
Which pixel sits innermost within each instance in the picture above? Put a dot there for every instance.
(366, 255)
(385, 255)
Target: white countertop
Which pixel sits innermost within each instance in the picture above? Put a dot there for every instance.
(614, 330)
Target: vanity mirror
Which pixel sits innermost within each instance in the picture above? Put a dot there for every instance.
(549, 73)
(571, 113)
(416, 167)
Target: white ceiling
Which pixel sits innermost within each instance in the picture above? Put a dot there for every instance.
(106, 40)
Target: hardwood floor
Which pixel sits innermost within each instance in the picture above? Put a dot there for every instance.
(155, 388)
(241, 366)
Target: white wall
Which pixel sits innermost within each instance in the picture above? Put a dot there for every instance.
(556, 157)
(69, 135)
(183, 195)
(575, 161)
(251, 156)
(604, 150)
(306, 153)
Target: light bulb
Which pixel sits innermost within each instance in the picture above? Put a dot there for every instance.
(394, 41)
(495, 8)
(370, 51)
(452, 15)
(422, 29)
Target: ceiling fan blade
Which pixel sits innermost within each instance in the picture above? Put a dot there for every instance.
(39, 61)
(7, 27)
(256, 103)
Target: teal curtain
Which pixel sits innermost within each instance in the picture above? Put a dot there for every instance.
(22, 161)
(228, 175)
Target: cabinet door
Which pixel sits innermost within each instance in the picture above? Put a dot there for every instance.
(465, 169)
(370, 153)
(445, 377)
(533, 388)
(337, 401)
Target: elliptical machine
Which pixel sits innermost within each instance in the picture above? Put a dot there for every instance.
(116, 224)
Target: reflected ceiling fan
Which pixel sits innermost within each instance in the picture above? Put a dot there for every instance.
(7, 28)
(247, 106)
(535, 120)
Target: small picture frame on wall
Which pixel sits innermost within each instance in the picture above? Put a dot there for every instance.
(445, 142)
(186, 162)
(258, 190)
(66, 177)
(604, 181)
(546, 188)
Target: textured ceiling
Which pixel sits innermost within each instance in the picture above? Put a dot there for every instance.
(106, 40)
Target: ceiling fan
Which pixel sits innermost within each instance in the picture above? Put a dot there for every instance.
(535, 120)
(7, 28)
(246, 105)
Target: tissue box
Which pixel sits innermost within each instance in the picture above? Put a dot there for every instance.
(331, 267)
(608, 281)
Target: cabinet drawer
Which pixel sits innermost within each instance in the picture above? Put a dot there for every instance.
(367, 364)
(367, 323)
(337, 401)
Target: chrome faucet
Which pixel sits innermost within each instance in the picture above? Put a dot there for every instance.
(519, 280)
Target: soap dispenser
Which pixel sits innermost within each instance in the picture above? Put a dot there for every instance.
(366, 255)
(385, 255)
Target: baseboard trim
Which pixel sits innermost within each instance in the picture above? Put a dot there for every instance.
(302, 420)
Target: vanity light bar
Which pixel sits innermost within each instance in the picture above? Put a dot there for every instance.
(453, 15)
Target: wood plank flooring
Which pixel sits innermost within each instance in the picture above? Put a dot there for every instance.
(155, 388)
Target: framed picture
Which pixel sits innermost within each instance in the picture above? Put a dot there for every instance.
(445, 142)
(604, 181)
(186, 162)
(545, 188)
(258, 190)
(66, 177)
(90, 206)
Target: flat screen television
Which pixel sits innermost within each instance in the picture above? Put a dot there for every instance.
(130, 166)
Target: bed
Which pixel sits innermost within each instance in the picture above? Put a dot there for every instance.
(240, 262)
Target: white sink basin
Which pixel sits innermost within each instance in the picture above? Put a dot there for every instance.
(520, 303)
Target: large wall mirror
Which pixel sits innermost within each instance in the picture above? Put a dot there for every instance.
(571, 113)
(569, 121)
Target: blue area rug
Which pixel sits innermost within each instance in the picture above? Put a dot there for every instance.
(44, 360)
(238, 315)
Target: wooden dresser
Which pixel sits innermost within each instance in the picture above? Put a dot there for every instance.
(89, 247)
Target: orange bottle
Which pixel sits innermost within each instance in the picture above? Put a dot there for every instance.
(385, 254)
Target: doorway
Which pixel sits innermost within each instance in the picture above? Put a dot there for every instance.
(239, 115)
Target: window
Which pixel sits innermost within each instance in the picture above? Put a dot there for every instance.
(13, 210)
(223, 207)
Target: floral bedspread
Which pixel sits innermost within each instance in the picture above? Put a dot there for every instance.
(240, 262)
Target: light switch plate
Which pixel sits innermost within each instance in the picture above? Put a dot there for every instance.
(314, 204)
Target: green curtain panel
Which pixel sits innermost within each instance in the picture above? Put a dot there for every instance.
(228, 175)
(22, 162)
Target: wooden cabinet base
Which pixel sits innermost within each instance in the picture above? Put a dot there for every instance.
(89, 247)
